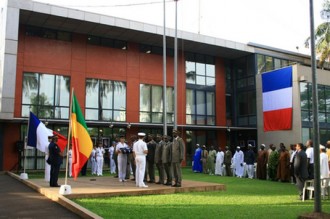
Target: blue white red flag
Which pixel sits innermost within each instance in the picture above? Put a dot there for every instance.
(277, 99)
(39, 133)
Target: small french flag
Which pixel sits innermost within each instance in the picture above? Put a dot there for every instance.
(277, 99)
(39, 133)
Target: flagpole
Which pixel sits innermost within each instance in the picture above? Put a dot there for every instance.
(66, 189)
(25, 175)
(68, 145)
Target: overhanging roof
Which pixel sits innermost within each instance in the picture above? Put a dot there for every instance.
(72, 20)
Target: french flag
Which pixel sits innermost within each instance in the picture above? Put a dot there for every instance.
(277, 99)
(38, 135)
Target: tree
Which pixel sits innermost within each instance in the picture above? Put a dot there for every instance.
(322, 36)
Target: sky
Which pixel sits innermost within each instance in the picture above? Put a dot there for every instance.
(283, 24)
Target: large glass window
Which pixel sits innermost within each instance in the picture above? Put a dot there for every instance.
(200, 73)
(105, 100)
(200, 107)
(48, 96)
(268, 63)
(151, 103)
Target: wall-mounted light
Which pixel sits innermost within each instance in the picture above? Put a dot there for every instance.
(129, 125)
(46, 122)
(148, 51)
(58, 130)
(111, 125)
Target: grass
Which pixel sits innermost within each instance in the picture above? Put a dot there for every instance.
(244, 198)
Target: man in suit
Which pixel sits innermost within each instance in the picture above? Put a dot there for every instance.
(300, 168)
(177, 153)
(56, 158)
(166, 159)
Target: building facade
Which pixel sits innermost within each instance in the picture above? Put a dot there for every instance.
(115, 67)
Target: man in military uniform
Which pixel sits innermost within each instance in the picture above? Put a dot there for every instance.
(158, 159)
(150, 171)
(177, 153)
(166, 159)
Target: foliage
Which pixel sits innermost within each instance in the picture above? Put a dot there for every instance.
(243, 198)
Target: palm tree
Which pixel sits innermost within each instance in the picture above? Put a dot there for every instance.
(322, 37)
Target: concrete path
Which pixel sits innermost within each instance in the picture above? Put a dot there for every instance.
(19, 201)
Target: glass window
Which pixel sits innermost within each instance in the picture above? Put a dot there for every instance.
(261, 63)
(210, 103)
(190, 72)
(151, 104)
(105, 100)
(190, 103)
(48, 96)
(210, 70)
(269, 63)
(200, 102)
(200, 69)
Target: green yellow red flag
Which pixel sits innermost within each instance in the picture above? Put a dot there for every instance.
(81, 142)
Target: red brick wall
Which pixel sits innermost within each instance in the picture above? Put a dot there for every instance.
(80, 60)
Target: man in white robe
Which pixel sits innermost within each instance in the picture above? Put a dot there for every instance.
(324, 167)
(238, 161)
(219, 162)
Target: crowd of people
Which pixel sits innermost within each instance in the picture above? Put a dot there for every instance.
(295, 165)
(137, 158)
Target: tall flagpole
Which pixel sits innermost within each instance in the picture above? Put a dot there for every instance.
(164, 75)
(176, 66)
(25, 175)
(66, 189)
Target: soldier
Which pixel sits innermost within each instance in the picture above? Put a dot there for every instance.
(166, 160)
(140, 151)
(150, 171)
(99, 154)
(177, 153)
(158, 159)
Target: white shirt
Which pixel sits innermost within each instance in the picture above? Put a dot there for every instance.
(292, 156)
(324, 166)
(99, 152)
(310, 154)
(139, 147)
(120, 145)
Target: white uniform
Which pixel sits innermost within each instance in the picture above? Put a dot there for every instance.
(218, 163)
(99, 160)
(93, 160)
(140, 159)
(122, 162)
(112, 161)
(324, 166)
(70, 162)
(238, 161)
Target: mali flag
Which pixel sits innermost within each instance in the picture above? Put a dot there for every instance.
(81, 142)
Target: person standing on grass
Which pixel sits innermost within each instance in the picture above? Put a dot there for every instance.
(158, 159)
(324, 168)
(292, 157)
(250, 158)
(93, 160)
(219, 162)
(238, 160)
(177, 154)
(150, 170)
(300, 168)
(283, 169)
(310, 158)
(204, 156)
(328, 152)
(197, 165)
(112, 161)
(122, 158)
(166, 159)
(273, 163)
(99, 154)
(262, 163)
(211, 161)
(227, 160)
(131, 159)
(140, 151)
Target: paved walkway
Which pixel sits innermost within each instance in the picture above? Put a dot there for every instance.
(83, 187)
(19, 201)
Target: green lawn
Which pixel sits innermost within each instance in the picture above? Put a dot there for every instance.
(244, 198)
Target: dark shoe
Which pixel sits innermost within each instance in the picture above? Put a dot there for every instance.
(178, 185)
(116, 176)
(151, 181)
(133, 179)
(168, 184)
(175, 185)
(159, 183)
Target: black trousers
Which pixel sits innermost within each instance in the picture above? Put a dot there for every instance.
(300, 185)
(160, 169)
(311, 171)
(54, 170)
